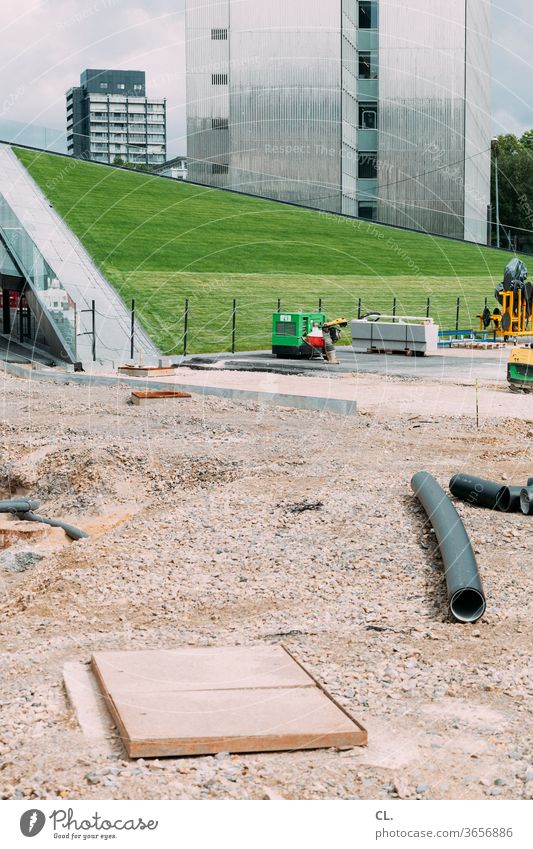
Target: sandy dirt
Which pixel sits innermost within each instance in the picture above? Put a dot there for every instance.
(441, 395)
(194, 541)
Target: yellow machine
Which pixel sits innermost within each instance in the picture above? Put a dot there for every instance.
(515, 296)
(520, 370)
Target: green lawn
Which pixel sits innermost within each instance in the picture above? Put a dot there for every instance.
(159, 242)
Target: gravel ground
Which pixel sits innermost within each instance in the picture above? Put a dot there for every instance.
(194, 541)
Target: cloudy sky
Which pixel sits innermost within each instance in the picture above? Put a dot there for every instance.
(46, 43)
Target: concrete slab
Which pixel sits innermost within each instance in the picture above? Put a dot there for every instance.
(207, 700)
(199, 669)
(88, 703)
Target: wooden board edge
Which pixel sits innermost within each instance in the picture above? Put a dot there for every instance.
(245, 745)
(111, 706)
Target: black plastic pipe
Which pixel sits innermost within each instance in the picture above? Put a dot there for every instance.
(465, 591)
(479, 492)
(526, 499)
(510, 501)
(70, 530)
(484, 493)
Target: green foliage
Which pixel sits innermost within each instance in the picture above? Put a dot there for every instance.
(161, 241)
(515, 171)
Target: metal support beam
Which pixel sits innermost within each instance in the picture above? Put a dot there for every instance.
(6, 312)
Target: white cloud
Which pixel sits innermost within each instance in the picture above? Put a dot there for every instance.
(45, 48)
(46, 43)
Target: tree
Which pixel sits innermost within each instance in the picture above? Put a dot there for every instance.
(118, 160)
(515, 173)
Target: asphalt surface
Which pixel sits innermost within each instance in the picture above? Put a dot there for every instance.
(469, 364)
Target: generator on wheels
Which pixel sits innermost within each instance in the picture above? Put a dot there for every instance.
(305, 335)
(291, 332)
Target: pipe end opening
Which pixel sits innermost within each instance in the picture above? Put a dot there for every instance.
(503, 499)
(526, 501)
(468, 605)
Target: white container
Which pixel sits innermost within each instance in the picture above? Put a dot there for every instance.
(401, 334)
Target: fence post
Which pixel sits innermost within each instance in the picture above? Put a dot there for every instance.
(233, 325)
(132, 331)
(359, 308)
(185, 326)
(320, 304)
(428, 307)
(21, 319)
(457, 314)
(279, 304)
(93, 319)
(394, 307)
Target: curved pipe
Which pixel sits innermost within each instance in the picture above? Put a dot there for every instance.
(70, 530)
(465, 591)
(480, 492)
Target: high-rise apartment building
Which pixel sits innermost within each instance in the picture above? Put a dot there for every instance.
(109, 116)
(378, 109)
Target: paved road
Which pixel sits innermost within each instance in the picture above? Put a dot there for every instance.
(487, 366)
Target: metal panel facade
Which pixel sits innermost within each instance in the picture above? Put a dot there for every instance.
(477, 119)
(285, 79)
(284, 123)
(421, 96)
(208, 144)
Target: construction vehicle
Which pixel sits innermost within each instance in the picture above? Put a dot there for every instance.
(520, 369)
(515, 296)
(305, 335)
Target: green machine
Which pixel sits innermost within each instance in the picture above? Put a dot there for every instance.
(290, 331)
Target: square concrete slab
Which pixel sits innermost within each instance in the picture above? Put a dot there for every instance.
(194, 701)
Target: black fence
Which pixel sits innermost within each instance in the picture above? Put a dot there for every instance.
(231, 324)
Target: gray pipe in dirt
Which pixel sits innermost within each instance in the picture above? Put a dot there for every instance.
(465, 591)
(477, 491)
(18, 505)
(70, 530)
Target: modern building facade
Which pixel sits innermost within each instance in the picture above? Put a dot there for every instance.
(110, 116)
(175, 168)
(376, 109)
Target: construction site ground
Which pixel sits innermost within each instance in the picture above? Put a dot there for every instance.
(218, 522)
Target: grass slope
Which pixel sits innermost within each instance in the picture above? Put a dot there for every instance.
(159, 241)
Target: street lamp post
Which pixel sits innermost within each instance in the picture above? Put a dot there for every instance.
(497, 190)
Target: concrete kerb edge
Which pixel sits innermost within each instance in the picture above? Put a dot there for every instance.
(337, 406)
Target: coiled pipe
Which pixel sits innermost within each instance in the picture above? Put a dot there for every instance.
(465, 591)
